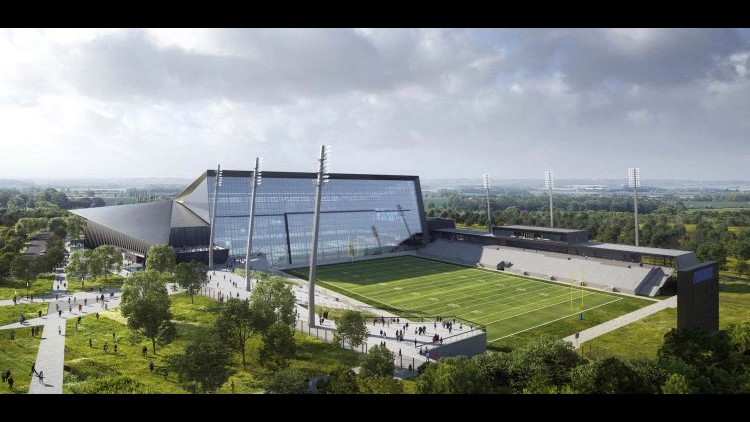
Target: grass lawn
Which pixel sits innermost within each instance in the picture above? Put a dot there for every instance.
(93, 284)
(512, 308)
(89, 369)
(643, 338)
(9, 314)
(41, 286)
(17, 355)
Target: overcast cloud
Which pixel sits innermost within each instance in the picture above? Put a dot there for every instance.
(436, 103)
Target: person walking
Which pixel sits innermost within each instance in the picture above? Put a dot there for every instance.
(91, 344)
(10, 382)
(232, 386)
(41, 377)
(58, 330)
(151, 366)
(39, 313)
(115, 348)
(33, 369)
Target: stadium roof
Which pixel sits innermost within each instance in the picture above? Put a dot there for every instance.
(539, 229)
(465, 231)
(672, 253)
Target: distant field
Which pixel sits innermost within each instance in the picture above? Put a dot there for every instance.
(716, 205)
(113, 200)
(507, 305)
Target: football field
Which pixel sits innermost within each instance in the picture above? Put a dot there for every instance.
(417, 287)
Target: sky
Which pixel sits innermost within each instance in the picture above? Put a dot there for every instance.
(438, 103)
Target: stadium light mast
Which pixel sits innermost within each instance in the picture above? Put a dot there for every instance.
(321, 179)
(403, 218)
(377, 238)
(549, 185)
(256, 180)
(486, 184)
(217, 185)
(634, 181)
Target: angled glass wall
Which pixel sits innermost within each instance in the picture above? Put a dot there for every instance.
(359, 217)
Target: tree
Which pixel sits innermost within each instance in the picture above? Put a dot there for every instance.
(75, 226)
(377, 362)
(6, 260)
(160, 258)
(58, 226)
(191, 276)
(235, 325)
(676, 384)
(272, 301)
(552, 357)
(77, 264)
(494, 367)
(742, 268)
(278, 346)
(380, 385)
(351, 328)
(109, 258)
(605, 376)
(341, 381)
(205, 363)
(24, 268)
(145, 304)
(452, 375)
(94, 262)
(286, 381)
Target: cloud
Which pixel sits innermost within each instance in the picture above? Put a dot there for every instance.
(437, 103)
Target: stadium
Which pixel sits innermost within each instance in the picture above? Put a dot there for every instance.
(376, 246)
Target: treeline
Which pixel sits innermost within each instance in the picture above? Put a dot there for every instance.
(14, 200)
(526, 202)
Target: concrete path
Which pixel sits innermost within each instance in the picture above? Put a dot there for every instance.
(621, 321)
(51, 356)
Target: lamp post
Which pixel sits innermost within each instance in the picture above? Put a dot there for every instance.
(486, 184)
(634, 181)
(256, 179)
(548, 184)
(217, 185)
(320, 180)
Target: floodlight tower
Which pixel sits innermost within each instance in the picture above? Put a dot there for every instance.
(634, 181)
(403, 218)
(549, 185)
(377, 238)
(256, 180)
(486, 184)
(217, 185)
(321, 179)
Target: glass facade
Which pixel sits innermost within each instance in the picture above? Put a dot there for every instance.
(359, 217)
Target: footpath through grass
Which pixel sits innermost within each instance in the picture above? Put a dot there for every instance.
(513, 308)
(91, 370)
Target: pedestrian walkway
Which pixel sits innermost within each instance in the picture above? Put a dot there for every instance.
(620, 321)
(51, 356)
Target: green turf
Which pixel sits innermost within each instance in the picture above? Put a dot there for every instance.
(90, 370)
(93, 284)
(41, 286)
(17, 356)
(643, 338)
(9, 314)
(507, 305)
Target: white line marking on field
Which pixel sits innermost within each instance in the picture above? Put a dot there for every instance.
(549, 322)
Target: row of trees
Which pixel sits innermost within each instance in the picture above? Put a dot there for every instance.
(85, 263)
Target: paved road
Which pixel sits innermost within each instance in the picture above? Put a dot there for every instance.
(621, 321)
